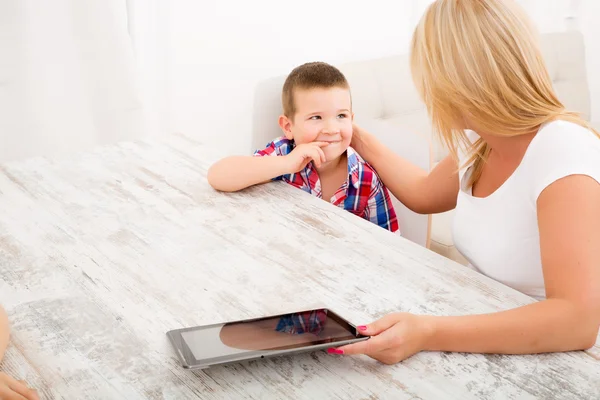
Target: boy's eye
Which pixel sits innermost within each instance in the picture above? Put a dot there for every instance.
(315, 117)
(343, 116)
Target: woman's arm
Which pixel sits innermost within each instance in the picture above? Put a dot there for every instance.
(568, 215)
(419, 191)
(553, 325)
(568, 218)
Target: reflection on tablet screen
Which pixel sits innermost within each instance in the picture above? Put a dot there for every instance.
(276, 333)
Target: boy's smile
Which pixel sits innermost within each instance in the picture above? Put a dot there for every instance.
(322, 115)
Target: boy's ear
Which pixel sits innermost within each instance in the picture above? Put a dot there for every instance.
(352, 117)
(286, 126)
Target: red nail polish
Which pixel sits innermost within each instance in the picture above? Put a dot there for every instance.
(362, 328)
(335, 351)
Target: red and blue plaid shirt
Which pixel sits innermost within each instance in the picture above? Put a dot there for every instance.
(305, 322)
(362, 194)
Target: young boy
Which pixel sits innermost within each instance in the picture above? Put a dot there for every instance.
(315, 153)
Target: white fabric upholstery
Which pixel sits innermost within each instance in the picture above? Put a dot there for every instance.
(416, 149)
(383, 90)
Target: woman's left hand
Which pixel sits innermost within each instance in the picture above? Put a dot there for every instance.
(394, 338)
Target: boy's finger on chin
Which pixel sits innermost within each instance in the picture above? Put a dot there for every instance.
(319, 156)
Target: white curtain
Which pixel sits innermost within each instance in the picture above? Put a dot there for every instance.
(149, 25)
(68, 77)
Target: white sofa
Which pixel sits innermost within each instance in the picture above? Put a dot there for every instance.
(386, 103)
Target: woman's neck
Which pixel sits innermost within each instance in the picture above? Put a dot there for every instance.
(508, 148)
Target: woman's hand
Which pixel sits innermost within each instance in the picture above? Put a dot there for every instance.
(395, 337)
(358, 139)
(12, 389)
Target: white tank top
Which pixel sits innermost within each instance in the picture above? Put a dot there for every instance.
(499, 234)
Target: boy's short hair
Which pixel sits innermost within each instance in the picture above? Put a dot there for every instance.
(311, 75)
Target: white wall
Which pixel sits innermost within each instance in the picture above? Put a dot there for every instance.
(221, 49)
(67, 77)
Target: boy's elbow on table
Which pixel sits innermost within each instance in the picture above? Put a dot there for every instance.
(235, 173)
(217, 176)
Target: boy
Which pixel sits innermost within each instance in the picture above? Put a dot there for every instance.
(315, 153)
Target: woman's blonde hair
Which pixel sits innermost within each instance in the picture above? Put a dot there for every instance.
(480, 61)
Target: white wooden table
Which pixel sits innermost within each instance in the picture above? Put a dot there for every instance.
(103, 253)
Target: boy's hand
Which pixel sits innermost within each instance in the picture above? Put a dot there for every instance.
(11, 388)
(305, 153)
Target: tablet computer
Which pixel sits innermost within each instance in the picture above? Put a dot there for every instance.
(236, 341)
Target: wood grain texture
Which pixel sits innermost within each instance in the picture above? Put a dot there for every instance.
(102, 253)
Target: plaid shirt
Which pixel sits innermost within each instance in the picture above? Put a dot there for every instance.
(299, 323)
(362, 194)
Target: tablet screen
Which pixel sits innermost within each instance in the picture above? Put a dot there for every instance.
(220, 342)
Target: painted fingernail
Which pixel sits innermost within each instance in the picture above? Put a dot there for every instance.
(362, 328)
(335, 351)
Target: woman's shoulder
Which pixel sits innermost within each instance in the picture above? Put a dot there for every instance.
(565, 133)
(560, 149)
(564, 142)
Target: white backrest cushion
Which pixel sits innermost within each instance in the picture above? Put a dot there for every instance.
(267, 109)
(416, 149)
(564, 53)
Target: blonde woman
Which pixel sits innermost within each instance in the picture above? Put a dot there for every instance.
(525, 187)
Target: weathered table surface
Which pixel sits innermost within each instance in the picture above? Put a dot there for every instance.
(104, 252)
